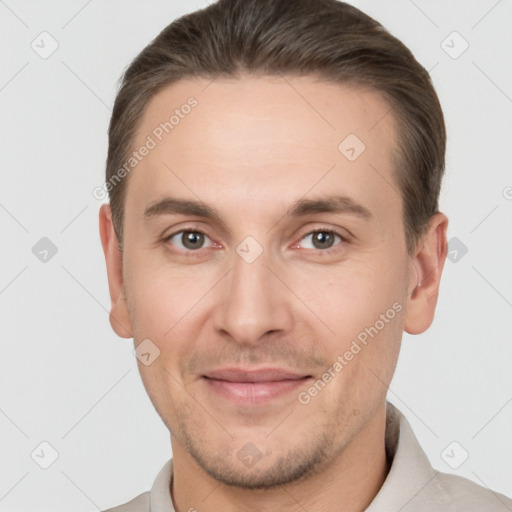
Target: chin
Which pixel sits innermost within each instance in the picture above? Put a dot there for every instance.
(250, 468)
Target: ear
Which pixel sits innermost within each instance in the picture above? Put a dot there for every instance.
(427, 266)
(119, 314)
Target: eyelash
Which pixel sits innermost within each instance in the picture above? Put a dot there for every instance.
(330, 231)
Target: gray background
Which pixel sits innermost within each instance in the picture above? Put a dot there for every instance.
(68, 380)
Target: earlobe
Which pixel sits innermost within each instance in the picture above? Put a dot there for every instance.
(119, 314)
(428, 263)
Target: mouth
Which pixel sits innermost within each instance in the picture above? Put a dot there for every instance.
(253, 387)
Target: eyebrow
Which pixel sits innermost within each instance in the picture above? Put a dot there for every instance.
(171, 205)
(302, 207)
(329, 204)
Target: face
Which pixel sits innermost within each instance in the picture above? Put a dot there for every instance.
(276, 311)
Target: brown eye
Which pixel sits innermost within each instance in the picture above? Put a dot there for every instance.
(191, 240)
(323, 239)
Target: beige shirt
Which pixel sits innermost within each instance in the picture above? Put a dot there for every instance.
(412, 485)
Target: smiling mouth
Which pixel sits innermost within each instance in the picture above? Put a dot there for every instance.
(253, 387)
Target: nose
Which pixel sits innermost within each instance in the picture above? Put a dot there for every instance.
(254, 301)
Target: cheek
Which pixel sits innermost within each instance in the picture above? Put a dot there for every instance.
(168, 308)
(363, 356)
(363, 306)
(163, 297)
(354, 296)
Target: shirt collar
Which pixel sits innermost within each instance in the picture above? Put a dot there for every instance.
(410, 470)
(409, 474)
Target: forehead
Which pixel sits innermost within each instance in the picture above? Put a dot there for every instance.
(271, 138)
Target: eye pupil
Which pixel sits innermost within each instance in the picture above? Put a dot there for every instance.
(324, 238)
(192, 239)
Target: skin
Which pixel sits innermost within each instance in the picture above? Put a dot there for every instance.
(251, 148)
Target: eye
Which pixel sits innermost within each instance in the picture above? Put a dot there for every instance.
(190, 240)
(322, 240)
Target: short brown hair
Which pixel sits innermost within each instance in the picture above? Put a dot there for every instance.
(326, 38)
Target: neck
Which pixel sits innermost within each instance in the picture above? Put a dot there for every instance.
(347, 483)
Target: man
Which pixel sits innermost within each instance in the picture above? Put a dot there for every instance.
(274, 169)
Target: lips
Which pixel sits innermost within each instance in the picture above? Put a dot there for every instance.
(261, 375)
(253, 387)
